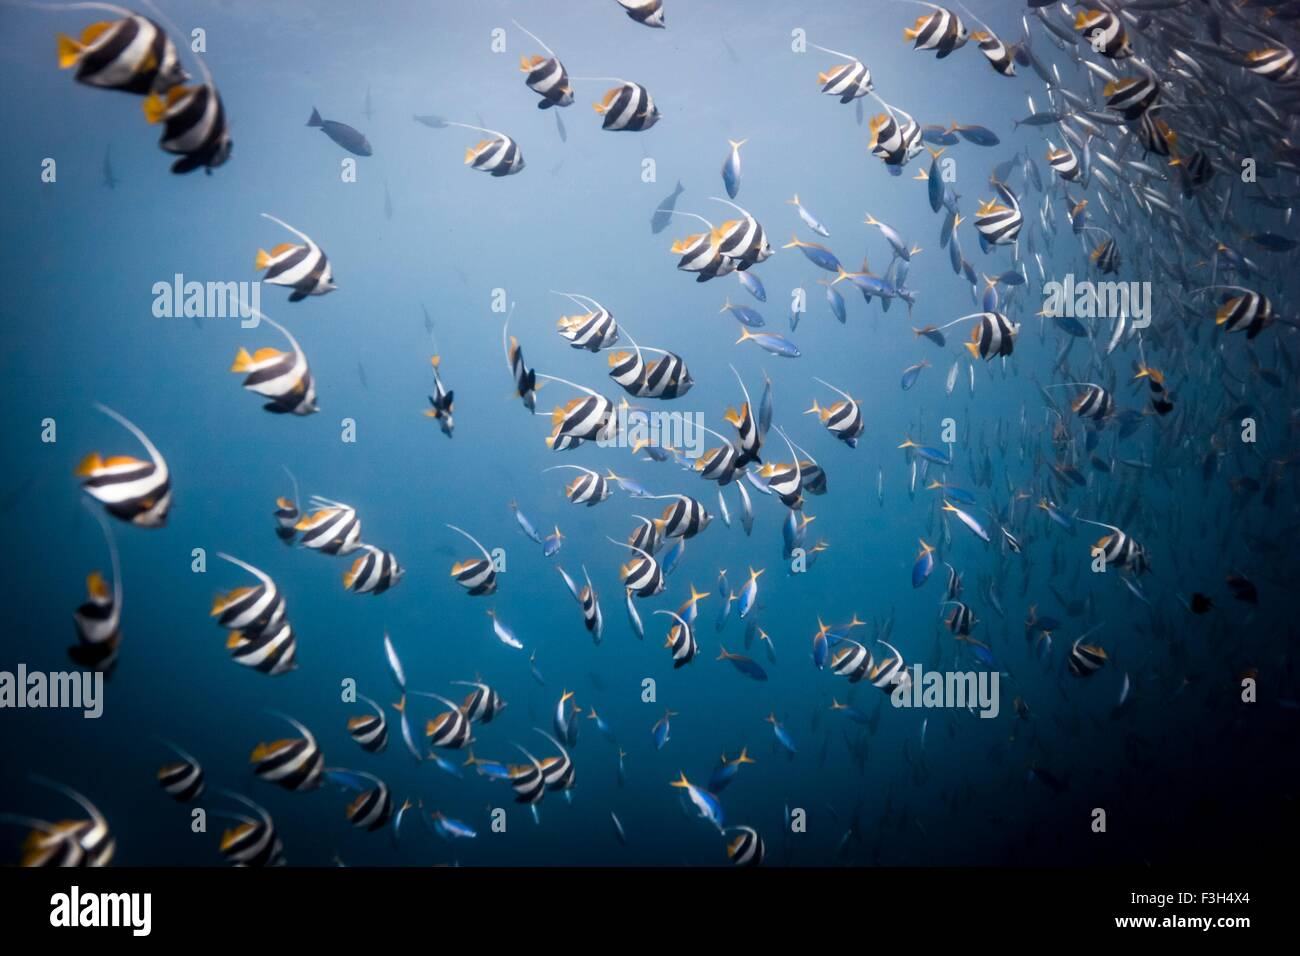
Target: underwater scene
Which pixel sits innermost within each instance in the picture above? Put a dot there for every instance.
(649, 433)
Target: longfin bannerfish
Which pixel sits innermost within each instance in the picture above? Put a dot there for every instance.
(283, 378)
(305, 269)
(134, 55)
(194, 126)
(131, 490)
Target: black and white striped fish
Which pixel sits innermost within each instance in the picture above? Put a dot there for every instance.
(524, 378)
(498, 155)
(941, 31)
(182, 779)
(890, 672)
(1132, 96)
(999, 222)
(442, 401)
(527, 780)
(253, 841)
(1251, 312)
(701, 253)
(1104, 33)
(580, 419)
(1106, 256)
(747, 848)
(589, 488)
(646, 535)
(99, 619)
(482, 704)
(592, 618)
(478, 576)
(1121, 549)
(785, 479)
(592, 330)
(961, 619)
(260, 635)
(558, 772)
(333, 528)
(370, 731)
(282, 378)
(132, 490)
(680, 640)
(451, 729)
(1064, 163)
(303, 268)
(749, 435)
(1094, 403)
(995, 51)
(895, 142)
(993, 335)
(848, 81)
(133, 55)
(1155, 135)
(642, 575)
(743, 241)
(87, 842)
(546, 76)
(1086, 659)
(649, 13)
(843, 419)
(1277, 64)
(373, 806)
(684, 518)
(294, 763)
(850, 660)
(627, 106)
(287, 513)
(194, 126)
(373, 572)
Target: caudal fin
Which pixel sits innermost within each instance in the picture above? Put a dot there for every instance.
(315, 118)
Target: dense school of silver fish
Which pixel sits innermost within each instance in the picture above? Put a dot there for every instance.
(1129, 149)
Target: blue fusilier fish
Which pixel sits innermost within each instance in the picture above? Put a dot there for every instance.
(551, 545)
(967, 520)
(934, 182)
(749, 593)
(731, 168)
(836, 302)
(933, 455)
(821, 645)
(782, 735)
(924, 565)
(618, 828)
(350, 139)
(725, 772)
(746, 665)
(450, 829)
(753, 285)
(911, 373)
(896, 242)
(815, 253)
(979, 135)
(744, 314)
(809, 220)
(661, 732)
(772, 342)
(525, 524)
(959, 495)
(564, 722)
(602, 725)
(706, 803)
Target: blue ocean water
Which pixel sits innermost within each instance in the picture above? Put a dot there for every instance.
(80, 266)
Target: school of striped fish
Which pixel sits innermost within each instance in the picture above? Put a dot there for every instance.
(1167, 156)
